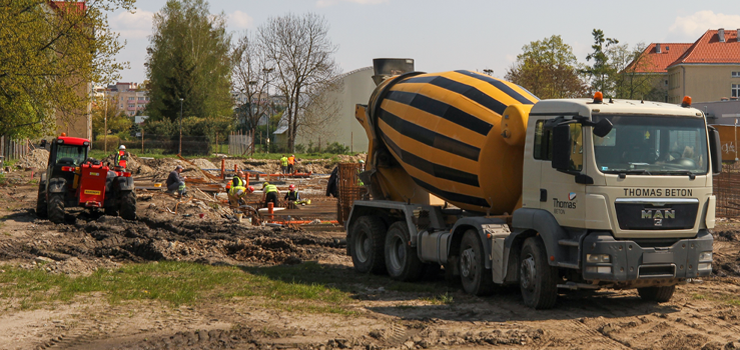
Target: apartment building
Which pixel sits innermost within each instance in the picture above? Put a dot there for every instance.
(131, 98)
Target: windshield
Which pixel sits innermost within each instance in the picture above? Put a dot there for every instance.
(650, 145)
(70, 155)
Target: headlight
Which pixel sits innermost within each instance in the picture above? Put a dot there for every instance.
(598, 258)
(705, 256)
(599, 269)
(705, 266)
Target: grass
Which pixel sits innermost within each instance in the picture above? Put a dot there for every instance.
(442, 299)
(176, 283)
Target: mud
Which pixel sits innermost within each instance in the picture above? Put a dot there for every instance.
(703, 314)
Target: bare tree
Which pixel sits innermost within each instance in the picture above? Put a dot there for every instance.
(252, 73)
(301, 51)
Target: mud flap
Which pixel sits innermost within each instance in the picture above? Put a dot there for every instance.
(125, 183)
(57, 185)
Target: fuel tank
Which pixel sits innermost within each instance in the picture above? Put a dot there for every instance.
(458, 134)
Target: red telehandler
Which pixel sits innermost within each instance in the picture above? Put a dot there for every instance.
(73, 180)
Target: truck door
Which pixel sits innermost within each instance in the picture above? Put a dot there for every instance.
(565, 197)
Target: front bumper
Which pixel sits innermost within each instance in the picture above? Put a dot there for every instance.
(629, 262)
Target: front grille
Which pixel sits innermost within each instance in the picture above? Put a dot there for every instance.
(656, 271)
(657, 214)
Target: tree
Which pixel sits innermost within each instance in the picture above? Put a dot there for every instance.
(252, 73)
(603, 73)
(636, 78)
(188, 58)
(548, 69)
(117, 120)
(49, 54)
(301, 53)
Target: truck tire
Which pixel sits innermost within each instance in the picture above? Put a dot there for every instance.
(41, 205)
(537, 279)
(659, 294)
(128, 205)
(401, 260)
(56, 208)
(366, 239)
(475, 278)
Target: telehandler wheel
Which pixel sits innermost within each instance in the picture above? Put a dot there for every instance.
(475, 278)
(128, 205)
(41, 205)
(537, 279)
(366, 238)
(56, 208)
(401, 260)
(659, 294)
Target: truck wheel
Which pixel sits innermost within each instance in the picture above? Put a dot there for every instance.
(56, 208)
(475, 278)
(401, 260)
(366, 238)
(128, 205)
(537, 279)
(41, 206)
(659, 294)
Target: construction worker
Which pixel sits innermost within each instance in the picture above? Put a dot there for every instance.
(121, 157)
(284, 164)
(291, 164)
(270, 194)
(237, 193)
(360, 170)
(175, 182)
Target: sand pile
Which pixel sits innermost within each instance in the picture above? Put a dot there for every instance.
(205, 164)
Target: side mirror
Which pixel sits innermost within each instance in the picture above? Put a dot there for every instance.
(714, 150)
(603, 127)
(43, 143)
(561, 147)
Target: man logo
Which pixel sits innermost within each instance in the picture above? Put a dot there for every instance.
(658, 215)
(572, 196)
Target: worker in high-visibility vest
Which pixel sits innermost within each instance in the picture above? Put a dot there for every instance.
(270, 194)
(284, 164)
(121, 157)
(291, 164)
(237, 189)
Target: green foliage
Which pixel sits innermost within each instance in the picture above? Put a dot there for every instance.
(188, 59)
(117, 121)
(48, 55)
(549, 69)
(602, 71)
(633, 81)
(112, 141)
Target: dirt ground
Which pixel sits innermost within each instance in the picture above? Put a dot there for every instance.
(703, 314)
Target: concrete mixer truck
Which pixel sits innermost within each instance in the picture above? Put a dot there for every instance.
(479, 176)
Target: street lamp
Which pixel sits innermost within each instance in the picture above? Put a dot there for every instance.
(105, 121)
(180, 151)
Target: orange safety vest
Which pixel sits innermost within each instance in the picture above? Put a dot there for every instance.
(291, 160)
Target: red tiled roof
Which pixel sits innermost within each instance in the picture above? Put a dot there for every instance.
(658, 62)
(68, 5)
(708, 49)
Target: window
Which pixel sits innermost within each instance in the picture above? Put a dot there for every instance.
(71, 155)
(131, 105)
(735, 90)
(576, 149)
(141, 98)
(131, 98)
(542, 141)
(736, 74)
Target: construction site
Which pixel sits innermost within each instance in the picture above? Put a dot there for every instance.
(306, 246)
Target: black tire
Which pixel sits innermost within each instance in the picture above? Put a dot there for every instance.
(659, 294)
(537, 279)
(128, 205)
(401, 260)
(41, 205)
(475, 278)
(56, 208)
(366, 239)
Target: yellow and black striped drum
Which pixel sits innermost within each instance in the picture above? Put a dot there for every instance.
(446, 131)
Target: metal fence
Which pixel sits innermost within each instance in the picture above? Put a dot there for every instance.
(240, 143)
(11, 149)
(727, 190)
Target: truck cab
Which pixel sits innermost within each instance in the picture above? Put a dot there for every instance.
(634, 204)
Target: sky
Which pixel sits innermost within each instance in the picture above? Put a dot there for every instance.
(449, 35)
